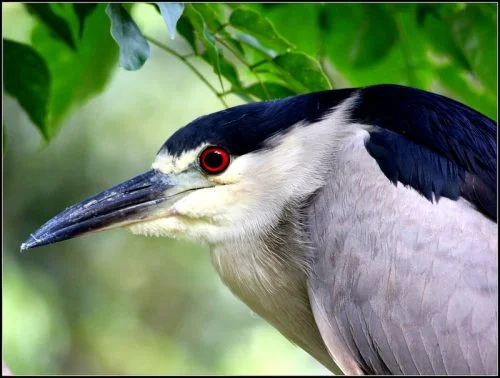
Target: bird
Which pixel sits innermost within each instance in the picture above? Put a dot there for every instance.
(360, 222)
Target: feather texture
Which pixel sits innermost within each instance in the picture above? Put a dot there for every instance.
(432, 143)
(401, 285)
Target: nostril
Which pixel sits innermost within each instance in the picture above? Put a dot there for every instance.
(138, 188)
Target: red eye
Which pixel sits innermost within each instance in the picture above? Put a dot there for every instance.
(214, 160)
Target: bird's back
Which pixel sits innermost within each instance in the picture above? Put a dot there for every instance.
(399, 284)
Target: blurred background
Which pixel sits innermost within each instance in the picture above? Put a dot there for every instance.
(114, 303)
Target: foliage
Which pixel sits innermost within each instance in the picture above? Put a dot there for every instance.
(134, 49)
(79, 68)
(27, 78)
(260, 51)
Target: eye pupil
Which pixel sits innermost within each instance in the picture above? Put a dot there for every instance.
(214, 160)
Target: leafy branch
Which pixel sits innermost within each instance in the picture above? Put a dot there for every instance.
(185, 60)
(256, 51)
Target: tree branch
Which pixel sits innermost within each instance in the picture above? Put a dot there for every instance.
(189, 64)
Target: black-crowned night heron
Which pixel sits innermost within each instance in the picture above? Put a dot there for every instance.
(361, 223)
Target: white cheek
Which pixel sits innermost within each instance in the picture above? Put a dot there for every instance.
(179, 228)
(169, 227)
(207, 203)
(175, 164)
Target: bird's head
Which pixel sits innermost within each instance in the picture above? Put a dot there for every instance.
(223, 176)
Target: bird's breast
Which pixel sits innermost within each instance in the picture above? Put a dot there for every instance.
(274, 289)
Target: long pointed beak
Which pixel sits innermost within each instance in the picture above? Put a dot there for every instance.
(131, 201)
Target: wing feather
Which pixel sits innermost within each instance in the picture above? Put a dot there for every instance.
(400, 285)
(436, 145)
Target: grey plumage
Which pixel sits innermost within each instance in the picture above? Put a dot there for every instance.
(419, 308)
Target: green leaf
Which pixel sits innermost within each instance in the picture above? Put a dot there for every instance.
(194, 17)
(258, 26)
(475, 33)
(406, 64)
(244, 96)
(286, 17)
(134, 49)
(489, 9)
(441, 40)
(303, 73)
(226, 69)
(27, 78)
(254, 42)
(396, 7)
(411, 53)
(58, 25)
(448, 9)
(185, 28)
(171, 12)
(212, 54)
(269, 91)
(375, 37)
(76, 76)
(233, 5)
(210, 15)
(454, 80)
(213, 16)
(83, 10)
